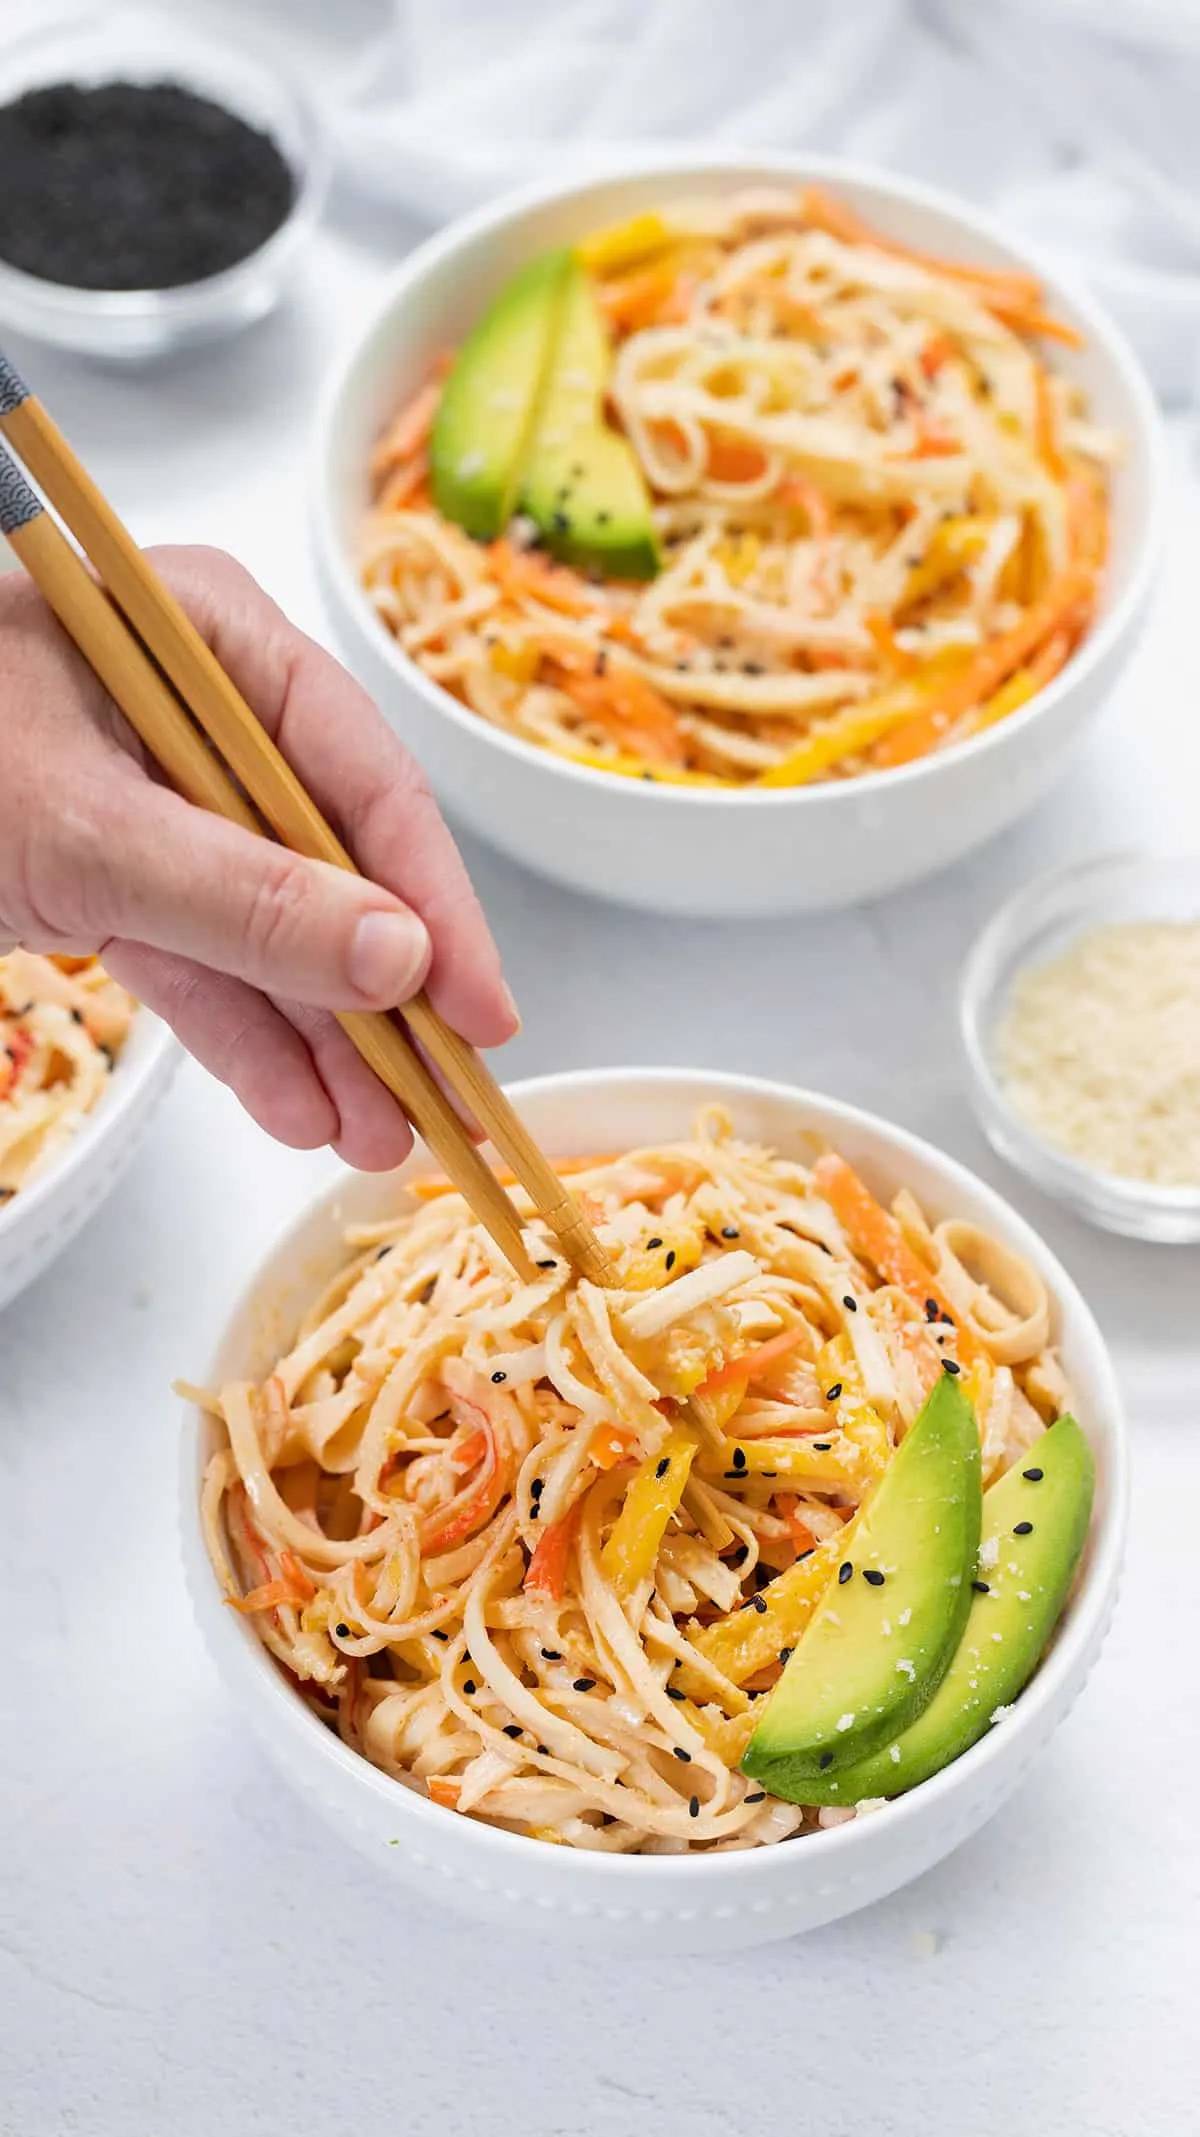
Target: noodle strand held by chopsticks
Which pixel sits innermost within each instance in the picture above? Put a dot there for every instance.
(549, 1597)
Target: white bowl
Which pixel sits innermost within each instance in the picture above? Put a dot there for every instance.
(44, 1217)
(697, 850)
(647, 1903)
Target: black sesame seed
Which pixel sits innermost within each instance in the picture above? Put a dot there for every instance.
(560, 521)
(551, 1654)
(382, 1252)
(1023, 1528)
(757, 1603)
(739, 1458)
(753, 667)
(602, 518)
(822, 1446)
(535, 1511)
(469, 1686)
(544, 1749)
(584, 1684)
(694, 1807)
(785, 1655)
(438, 1634)
(537, 1487)
(831, 1394)
(851, 1305)
(1034, 1475)
(949, 1366)
(732, 1476)
(663, 1466)
(684, 1757)
(108, 1054)
(981, 1587)
(497, 1378)
(551, 1264)
(730, 1231)
(601, 667)
(873, 1576)
(932, 1309)
(77, 1016)
(947, 1319)
(759, 1795)
(512, 1728)
(825, 1760)
(772, 1473)
(845, 1573)
(673, 1692)
(652, 1243)
(670, 1261)
(342, 1631)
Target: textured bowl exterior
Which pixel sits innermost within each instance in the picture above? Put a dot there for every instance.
(654, 1904)
(44, 1218)
(697, 851)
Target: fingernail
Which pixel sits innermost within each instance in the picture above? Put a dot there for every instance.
(389, 956)
(510, 1003)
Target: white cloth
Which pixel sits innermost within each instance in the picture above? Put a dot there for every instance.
(1073, 119)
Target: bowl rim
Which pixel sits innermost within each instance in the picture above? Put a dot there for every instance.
(149, 1050)
(65, 302)
(998, 952)
(1147, 445)
(243, 1656)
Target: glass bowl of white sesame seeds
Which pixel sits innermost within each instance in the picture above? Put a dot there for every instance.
(1080, 1020)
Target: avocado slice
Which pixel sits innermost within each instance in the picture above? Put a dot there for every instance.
(582, 485)
(886, 1627)
(1014, 1610)
(485, 415)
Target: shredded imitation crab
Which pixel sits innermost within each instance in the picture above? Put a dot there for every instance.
(883, 515)
(536, 1550)
(62, 1024)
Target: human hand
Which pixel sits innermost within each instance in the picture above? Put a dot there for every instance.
(244, 948)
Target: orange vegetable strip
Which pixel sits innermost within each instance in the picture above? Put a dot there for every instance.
(532, 578)
(409, 431)
(1029, 320)
(610, 1444)
(875, 1236)
(730, 460)
(751, 1364)
(468, 1511)
(840, 221)
(1046, 427)
(546, 1573)
(644, 295)
(268, 1597)
(294, 1572)
(443, 1791)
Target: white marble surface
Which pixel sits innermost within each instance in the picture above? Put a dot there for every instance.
(181, 1948)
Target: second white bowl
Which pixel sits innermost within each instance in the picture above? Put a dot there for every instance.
(659, 1904)
(695, 850)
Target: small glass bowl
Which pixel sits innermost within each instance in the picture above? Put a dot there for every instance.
(132, 325)
(1032, 929)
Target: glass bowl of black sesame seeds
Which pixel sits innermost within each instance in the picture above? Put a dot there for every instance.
(156, 188)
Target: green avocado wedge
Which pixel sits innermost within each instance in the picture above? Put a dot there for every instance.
(1035, 1522)
(581, 484)
(884, 1632)
(486, 413)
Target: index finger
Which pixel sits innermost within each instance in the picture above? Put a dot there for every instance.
(359, 773)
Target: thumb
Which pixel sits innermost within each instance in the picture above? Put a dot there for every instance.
(161, 872)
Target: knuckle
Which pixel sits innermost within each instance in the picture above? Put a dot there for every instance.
(281, 912)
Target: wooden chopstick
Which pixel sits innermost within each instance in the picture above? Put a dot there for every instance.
(236, 734)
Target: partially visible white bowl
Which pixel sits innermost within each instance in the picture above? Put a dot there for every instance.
(655, 1904)
(44, 1217)
(695, 850)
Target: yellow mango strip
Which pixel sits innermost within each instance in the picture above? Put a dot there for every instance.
(647, 1268)
(845, 735)
(794, 1459)
(629, 767)
(725, 1734)
(746, 1641)
(858, 1420)
(629, 1556)
(953, 545)
(618, 245)
(1025, 684)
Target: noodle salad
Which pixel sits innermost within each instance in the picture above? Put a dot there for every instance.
(537, 1550)
(62, 1024)
(875, 516)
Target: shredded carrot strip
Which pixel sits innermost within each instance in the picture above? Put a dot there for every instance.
(875, 1236)
(631, 709)
(532, 578)
(840, 221)
(268, 1597)
(546, 1573)
(729, 460)
(410, 430)
(610, 1444)
(651, 295)
(751, 1364)
(1046, 427)
(300, 1580)
(443, 1791)
(1031, 321)
(936, 353)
